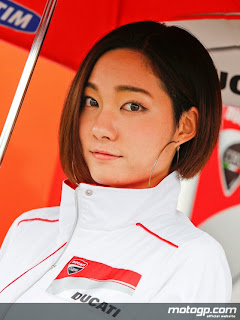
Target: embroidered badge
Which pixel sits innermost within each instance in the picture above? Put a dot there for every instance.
(76, 265)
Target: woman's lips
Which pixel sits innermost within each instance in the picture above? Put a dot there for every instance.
(104, 156)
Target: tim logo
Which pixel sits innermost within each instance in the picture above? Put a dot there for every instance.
(17, 17)
(76, 265)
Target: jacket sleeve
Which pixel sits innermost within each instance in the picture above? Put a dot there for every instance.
(202, 276)
(8, 238)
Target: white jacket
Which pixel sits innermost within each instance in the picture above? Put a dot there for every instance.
(114, 245)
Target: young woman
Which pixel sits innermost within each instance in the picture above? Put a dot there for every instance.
(143, 111)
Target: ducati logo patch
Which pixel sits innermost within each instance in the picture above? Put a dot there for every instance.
(231, 164)
(230, 160)
(76, 265)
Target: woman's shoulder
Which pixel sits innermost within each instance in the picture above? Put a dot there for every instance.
(198, 266)
(44, 214)
(190, 236)
(178, 229)
(30, 224)
(199, 272)
(47, 214)
(194, 240)
(190, 241)
(40, 216)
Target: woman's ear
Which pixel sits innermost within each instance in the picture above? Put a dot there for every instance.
(188, 125)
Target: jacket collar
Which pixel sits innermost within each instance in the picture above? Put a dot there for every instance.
(106, 208)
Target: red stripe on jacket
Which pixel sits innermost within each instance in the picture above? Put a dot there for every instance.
(37, 219)
(154, 234)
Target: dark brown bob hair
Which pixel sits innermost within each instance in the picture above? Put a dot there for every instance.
(188, 75)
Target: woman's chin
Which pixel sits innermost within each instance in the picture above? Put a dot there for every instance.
(120, 183)
(109, 182)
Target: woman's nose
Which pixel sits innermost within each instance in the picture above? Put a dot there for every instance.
(104, 126)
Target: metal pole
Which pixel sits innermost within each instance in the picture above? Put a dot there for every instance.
(26, 77)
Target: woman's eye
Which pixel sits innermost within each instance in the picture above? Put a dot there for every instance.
(133, 106)
(90, 102)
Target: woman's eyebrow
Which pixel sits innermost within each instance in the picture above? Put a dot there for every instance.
(132, 88)
(121, 88)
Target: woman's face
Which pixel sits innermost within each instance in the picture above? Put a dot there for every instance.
(126, 120)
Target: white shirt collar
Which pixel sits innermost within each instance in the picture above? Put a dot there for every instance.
(106, 208)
